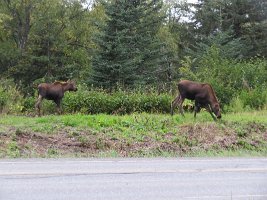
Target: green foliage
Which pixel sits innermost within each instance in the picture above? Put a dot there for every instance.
(13, 150)
(47, 107)
(186, 70)
(3, 98)
(45, 38)
(11, 100)
(246, 19)
(236, 105)
(166, 71)
(89, 101)
(138, 134)
(230, 78)
(248, 100)
(52, 152)
(218, 72)
(255, 99)
(129, 51)
(118, 102)
(129, 44)
(227, 45)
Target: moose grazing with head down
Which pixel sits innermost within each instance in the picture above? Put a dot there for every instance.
(202, 93)
(55, 92)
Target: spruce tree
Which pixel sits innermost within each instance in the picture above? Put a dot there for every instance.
(128, 48)
(247, 19)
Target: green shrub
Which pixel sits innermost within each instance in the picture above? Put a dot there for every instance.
(118, 102)
(3, 99)
(11, 100)
(236, 105)
(248, 100)
(29, 104)
(255, 99)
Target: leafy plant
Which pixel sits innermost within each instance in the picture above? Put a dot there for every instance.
(13, 149)
(11, 100)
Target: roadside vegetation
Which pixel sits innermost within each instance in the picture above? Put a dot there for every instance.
(126, 58)
(135, 135)
(129, 123)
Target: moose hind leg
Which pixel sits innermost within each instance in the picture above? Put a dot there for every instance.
(180, 103)
(175, 103)
(38, 105)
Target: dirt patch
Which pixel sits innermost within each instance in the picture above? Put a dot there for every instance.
(206, 136)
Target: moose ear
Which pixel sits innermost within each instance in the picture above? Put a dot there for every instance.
(68, 80)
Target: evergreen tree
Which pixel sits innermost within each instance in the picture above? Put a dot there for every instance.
(128, 47)
(247, 19)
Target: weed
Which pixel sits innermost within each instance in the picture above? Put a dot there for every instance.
(51, 152)
(72, 134)
(18, 132)
(241, 132)
(83, 140)
(245, 145)
(100, 144)
(13, 150)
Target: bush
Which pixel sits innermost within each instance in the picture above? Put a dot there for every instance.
(236, 105)
(248, 100)
(29, 104)
(255, 99)
(93, 101)
(3, 99)
(11, 100)
(118, 102)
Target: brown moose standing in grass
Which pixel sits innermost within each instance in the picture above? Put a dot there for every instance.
(202, 93)
(55, 92)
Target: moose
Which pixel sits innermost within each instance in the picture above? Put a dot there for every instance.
(202, 93)
(55, 92)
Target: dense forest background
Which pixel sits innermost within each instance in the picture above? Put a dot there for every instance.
(138, 44)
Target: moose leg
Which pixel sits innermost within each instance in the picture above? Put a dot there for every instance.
(38, 105)
(196, 109)
(210, 111)
(180, 103)
(58, 103)
(175, 103)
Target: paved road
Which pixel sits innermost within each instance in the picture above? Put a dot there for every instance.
(134, 179)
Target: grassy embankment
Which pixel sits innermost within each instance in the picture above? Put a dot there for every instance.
(142, 135)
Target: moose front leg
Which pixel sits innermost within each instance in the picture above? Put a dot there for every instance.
(58, 106)
(196, 109)
(210, 111)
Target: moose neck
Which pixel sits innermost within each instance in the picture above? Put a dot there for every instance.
(66, 86)
(213, 98)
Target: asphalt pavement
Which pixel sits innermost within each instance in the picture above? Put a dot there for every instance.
(134, 179)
